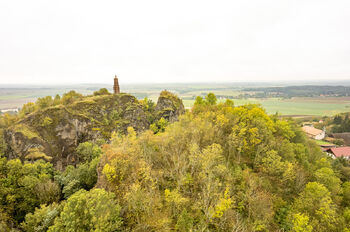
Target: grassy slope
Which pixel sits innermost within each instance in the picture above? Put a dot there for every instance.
(321, 142)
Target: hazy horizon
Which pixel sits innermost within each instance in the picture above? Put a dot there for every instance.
(124, 84)
(73, 42)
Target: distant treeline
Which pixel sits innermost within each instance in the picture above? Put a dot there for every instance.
(203, 94)
(300, 91)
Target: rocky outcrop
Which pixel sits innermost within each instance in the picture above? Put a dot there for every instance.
(169, 106)
(54, 133)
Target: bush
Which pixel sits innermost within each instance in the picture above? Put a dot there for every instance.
(96, 210)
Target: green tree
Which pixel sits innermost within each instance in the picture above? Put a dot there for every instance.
(27, 109)
(71, 97)
(25, 186)
(88, 151)
(346, 194)
(57, 100)
(199, 101)
(229, 103)
(96, 210)
(5, 221)
(149, 108)
(316, 202)
(301, 223)
(159, 126)
(84, 176)
(211, 99)
(346, 216)
(271, 164)
(7, 120)
(148, 104)
(102, 91)
(42, 218)
(327, 177)
(337, 119)
(3, 145)
(44, 102)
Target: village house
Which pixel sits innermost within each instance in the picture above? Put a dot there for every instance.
(327, 146)
(337, 152)
(13, 110)
(314, 133)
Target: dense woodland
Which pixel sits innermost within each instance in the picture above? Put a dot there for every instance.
(339, 123)
(218, 167)
(300, 91)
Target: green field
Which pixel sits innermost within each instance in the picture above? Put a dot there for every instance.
(321, 142)
(286, 107)
(306, 106)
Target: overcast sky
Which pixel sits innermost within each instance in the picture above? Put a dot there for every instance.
(81, 41)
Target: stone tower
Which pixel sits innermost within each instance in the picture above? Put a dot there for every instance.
(116, 85)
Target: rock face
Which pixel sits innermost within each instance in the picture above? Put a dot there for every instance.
(169, 106)
(54, 133)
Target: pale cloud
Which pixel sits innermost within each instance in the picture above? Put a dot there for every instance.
(173, 41)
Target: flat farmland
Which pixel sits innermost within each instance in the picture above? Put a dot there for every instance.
(302, 106)
(14, 97)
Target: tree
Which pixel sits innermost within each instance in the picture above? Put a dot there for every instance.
(199, 101)
(44, 102)
(96, 210)
(70, 97)
(7, 120)
(346, 193)
(316, 202)
(327, 177)
(27, 109)
(159, 126)
(57, 100)
(6, 222)
(25, 186)
(42, 218)
(346, 216)
(88, 151)
(271, 164)
(84, 176)
(229, 103)
(207, 170)
(148, 104)
(3, 144)
(301, 223)
(102, 91)
(211, 99)
(337, 119)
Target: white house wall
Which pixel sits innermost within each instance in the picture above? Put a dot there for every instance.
(320, 136)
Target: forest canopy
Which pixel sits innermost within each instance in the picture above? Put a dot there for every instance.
(219, 167)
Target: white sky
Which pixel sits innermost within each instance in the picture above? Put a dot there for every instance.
(81, 41)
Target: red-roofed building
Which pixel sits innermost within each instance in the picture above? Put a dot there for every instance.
(326, 147)
(337, 152)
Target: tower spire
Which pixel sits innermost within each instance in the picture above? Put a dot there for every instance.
(116, 85)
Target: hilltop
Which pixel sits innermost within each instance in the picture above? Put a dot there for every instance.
(114, 163)
(52, 130)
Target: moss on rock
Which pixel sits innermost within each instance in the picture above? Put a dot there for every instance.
(53, 133)
(169, 106)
